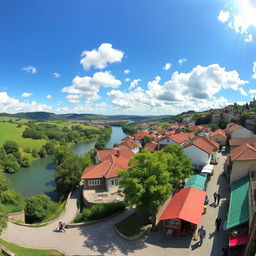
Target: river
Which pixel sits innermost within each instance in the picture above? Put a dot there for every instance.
(39, 176)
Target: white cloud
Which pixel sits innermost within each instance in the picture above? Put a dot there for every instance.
(11, 105)
(101, 57)
(194, 90)
(127, 79)
(89, 87)
(127, 71)
(181, 61)
(252, 91)
(48, 96)
(167, 66)
(56, 75)
(134, 83)
(30, 69)
(242, 91)
(248, 38)
(26, 94)
(73, 98)
(254, 70)
(223, 16)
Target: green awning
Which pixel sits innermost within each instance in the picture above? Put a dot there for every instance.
(238, 212)
(196, 181)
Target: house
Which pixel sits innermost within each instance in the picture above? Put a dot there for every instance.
(242, 158)
(200, 151)
(237, 131)
(140, 135)
(178, 138)
(219, 136)
(104, 175)
(233, 143)
(151, 146)
(130, 144)
(104, 154)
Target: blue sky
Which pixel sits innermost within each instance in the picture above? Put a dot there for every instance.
(70, 56)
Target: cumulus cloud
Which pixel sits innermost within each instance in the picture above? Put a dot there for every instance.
(73, 98)
(134, 83)
(30, 69)
(48, 96)
(26, 94)
(127, 71)
(242, 91)
(167, 66)
(127, 79)
(254, 70)
(99, 58)
(193, 90)
(88, 87)
(252, 91)
(181, 61)
(56, 75)
(248, 38)
(11, 105)
(223, 16)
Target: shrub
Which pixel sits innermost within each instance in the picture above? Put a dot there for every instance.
(38, 208)
(3, 217)
(99, 211)
(12, 200)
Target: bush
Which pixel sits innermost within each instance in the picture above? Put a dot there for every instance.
(38, 208)
(3, 217)
(12, 200)
(27, 150)
(99, 211)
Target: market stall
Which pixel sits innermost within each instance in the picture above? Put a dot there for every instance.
(196, 181)
(184, 211)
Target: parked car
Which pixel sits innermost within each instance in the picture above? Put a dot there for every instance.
(223, 149)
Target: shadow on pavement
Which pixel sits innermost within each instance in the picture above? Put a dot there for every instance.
(221, 237)
(101, 238)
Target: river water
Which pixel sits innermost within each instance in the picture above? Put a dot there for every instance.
(39, 176)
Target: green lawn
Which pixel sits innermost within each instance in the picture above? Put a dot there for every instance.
(10, 131)
(22, 251)
(132, 225)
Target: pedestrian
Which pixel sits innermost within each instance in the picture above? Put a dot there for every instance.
(215, 197)
(201, 233)
(218, 198)
(206, 201)
(217, 223)
(60, 226)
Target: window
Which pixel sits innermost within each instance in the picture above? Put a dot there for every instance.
(112, 182)
(93, 182)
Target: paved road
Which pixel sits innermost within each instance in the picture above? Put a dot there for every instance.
(100, 239)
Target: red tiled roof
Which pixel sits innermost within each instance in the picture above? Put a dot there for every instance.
(243, 152)
(106, 169)
(151, 146)
(129, 144)
(215, 144)
(201, 144)
(234, 127)
(127, 138)
(180, 137)
(106, 153)
(241, 141)
(141, 135)
(218, 132)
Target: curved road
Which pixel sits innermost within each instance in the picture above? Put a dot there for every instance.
(101, 239)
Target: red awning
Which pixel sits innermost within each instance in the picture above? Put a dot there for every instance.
(239, 240)
(187, 204)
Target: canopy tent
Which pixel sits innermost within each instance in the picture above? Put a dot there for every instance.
(187, 204)
(207, 169)
(238, 212)
(196, 181)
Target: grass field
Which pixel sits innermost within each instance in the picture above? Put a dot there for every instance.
(9, 131)
(22, 251)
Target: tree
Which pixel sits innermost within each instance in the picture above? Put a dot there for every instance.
(68, 174)
(146, 184)
(3, 217)
(10, 164)
(42, 153)
(50, 148)
(25, 162)
(11, 147)
(34, 153)
(145, 140)
(11, 197)
(214, 127)
(3, 182)
(61, 153)
(38, 207)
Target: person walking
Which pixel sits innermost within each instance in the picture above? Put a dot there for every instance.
(201, 234)
(218, 198)
(215, 197)
(217, 223)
